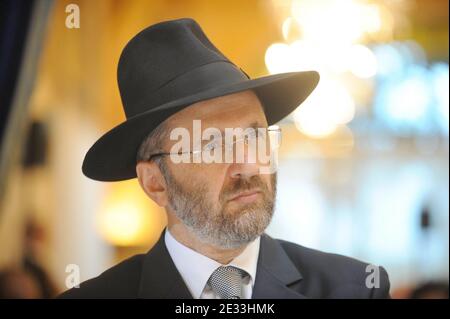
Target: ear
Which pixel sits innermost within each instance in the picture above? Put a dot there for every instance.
(152, 182)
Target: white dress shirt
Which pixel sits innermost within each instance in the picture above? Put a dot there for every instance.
(195, 268)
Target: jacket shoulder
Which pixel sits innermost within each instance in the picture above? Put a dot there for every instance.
(119, 281)
(338, 275)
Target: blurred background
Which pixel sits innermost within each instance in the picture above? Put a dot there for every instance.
(364, 164)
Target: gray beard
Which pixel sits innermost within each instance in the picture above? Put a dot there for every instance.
(213, 225)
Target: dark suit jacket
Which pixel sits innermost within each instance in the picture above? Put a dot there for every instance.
(285, 270)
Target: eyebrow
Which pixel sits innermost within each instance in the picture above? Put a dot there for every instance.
(254, 125)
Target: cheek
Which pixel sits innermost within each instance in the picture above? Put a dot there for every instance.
(201, 177)
(212, 179)
(267, 179)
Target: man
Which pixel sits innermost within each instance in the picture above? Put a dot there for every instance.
(171, 77)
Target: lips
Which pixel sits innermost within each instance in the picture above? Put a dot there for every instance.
(246, 196)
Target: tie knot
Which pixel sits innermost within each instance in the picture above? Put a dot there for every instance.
(226, 281)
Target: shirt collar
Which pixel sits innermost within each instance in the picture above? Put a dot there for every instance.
(197, 276)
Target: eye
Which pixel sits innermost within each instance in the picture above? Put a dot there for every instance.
(214, 144)
(250, 136)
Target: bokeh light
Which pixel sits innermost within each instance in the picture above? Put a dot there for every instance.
(328, 106)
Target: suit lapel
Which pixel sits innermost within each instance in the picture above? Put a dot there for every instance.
(160, 278)
(276, 275)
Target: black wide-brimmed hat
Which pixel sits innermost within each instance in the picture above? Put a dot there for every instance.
(167, 67)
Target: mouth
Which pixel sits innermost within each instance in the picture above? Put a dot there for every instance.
(246, 197)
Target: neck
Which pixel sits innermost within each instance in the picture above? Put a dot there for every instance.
(184, 236)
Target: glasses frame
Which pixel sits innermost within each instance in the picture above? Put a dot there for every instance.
(272, 128)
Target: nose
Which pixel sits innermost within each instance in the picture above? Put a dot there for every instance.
(243, 170)
(246, 168)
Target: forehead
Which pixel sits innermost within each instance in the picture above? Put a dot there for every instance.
(233, 110)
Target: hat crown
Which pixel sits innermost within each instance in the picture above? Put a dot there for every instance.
(156, 56)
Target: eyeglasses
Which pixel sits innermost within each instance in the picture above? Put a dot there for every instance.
(269, 138)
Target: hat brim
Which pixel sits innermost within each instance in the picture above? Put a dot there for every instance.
(113, 156)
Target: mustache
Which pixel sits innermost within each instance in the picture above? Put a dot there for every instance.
(243, 185)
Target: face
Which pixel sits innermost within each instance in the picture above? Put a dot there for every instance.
(224, 204)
